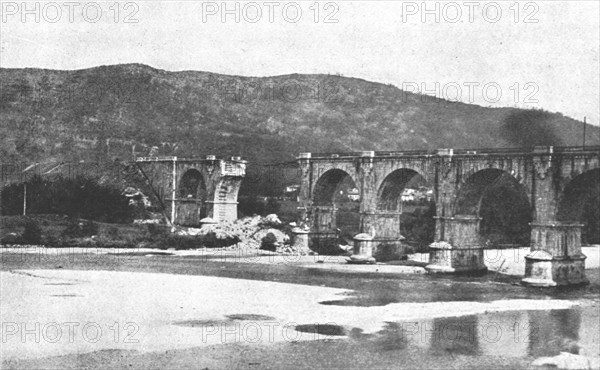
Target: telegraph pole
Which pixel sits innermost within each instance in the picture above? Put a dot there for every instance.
(25, 187)
(25, 199)
(173, 194)
(584, 124)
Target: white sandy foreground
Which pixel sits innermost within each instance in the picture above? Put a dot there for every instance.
(50, 312)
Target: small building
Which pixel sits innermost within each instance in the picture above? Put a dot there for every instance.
(408, 195)
(292, 189)
(354, 195)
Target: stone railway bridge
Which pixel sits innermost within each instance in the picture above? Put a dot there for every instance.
(195, 191)
(551, 178)
(189, 189)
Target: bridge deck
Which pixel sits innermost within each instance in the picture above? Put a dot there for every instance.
(458, 152)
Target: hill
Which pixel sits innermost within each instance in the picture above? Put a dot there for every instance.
(122, 111)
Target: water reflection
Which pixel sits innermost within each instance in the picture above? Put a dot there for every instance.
(506, 334)
(459, 335)
(552, 332)
(516, 334)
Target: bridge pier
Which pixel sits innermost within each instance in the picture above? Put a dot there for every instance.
(324, 218)
(460, 249)
(363, 250)
(300, 240)
(384, 227)
(555, 257)
(222, 210)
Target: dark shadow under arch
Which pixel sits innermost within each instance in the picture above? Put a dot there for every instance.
(407, 192)
(330, 184)
(336, 188)
(192, 185)
(502, 203)
(389, 196)
(580, 201)
(192, 194)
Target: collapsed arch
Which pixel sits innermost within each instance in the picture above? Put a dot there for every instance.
(580, 201)
(501, 202)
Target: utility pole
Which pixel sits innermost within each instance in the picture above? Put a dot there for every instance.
(25, 187)
(25, 199)
(173, 194)
(584, 124)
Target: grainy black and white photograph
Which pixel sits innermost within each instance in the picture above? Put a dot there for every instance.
(194, 184)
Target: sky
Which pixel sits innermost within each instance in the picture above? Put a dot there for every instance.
(528, 54)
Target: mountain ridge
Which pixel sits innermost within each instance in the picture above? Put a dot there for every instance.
(120, 111)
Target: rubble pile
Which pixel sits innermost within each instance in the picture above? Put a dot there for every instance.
(250, 232)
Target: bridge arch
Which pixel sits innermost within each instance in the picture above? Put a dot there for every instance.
(580, 201)
(389, 195)
(407, 193)
(501, 202)
(336, 203)
(192, 197)
(327, 187)
(192, 185)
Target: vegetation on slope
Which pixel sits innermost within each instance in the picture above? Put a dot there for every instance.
(125, 110)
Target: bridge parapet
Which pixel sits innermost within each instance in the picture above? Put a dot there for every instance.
(478, 152)
(230, 168)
